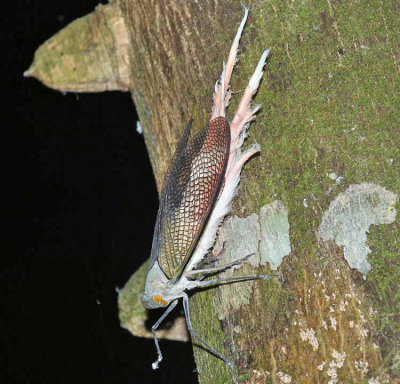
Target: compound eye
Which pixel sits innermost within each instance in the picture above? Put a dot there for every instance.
(159, 300)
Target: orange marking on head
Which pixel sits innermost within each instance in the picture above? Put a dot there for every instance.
(158, 299)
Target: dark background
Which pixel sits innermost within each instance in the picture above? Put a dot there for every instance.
(80, 203)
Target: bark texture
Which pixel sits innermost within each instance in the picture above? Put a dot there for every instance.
(329, 126)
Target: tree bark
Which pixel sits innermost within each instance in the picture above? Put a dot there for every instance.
(329, 168)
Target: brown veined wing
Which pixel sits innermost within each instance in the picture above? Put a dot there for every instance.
(191, 186)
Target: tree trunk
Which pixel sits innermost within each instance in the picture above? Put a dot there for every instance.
(328, 169)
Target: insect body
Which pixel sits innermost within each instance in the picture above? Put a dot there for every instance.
(197, 194)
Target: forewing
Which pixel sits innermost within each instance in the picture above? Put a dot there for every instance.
(179, 152)
(190, 189)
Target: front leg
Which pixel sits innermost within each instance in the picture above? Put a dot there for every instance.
(219, 268)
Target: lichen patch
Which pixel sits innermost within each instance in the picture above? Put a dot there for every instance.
(349, 217)
(265, 235)
(275, 242)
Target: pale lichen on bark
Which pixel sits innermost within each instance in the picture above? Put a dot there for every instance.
(349, 217)
(274, 241)
(266, 236)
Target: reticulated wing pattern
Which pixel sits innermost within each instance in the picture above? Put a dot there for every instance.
(190, 188)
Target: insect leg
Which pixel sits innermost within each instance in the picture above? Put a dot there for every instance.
(222, 93)
(233, 279)
(194, 334)
(219, 268)
(153, 329)
(213, 258)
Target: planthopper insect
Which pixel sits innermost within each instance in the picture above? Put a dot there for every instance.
(196, 195)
